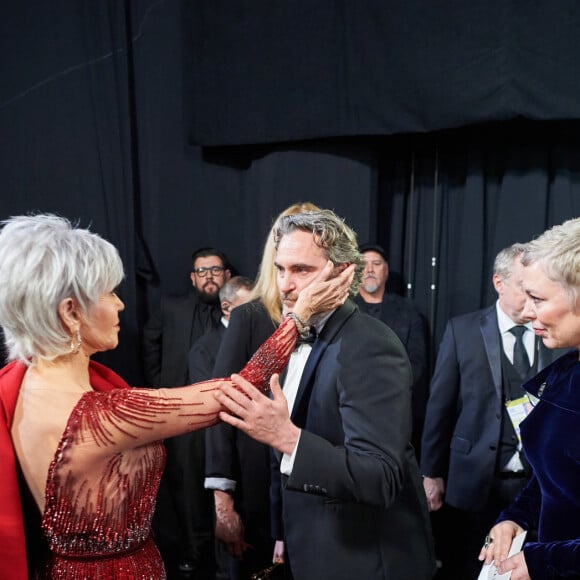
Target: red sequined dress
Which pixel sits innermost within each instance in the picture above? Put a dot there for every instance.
(102, 483)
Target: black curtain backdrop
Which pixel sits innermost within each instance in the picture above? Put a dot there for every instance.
(270, 70)
(98, 101)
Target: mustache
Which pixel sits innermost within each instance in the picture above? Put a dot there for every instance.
(290, 297)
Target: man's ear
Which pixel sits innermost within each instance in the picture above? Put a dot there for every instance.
(497, 283)
(227, 275)
(340, 268)
(69, 313)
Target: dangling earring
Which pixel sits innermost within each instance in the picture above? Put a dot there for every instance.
(76, 348)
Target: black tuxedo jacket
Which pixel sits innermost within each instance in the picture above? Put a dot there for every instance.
(230, 453)
(402, 316)
(202, 355)
(169, 334)
(464, 412)
(354, 505)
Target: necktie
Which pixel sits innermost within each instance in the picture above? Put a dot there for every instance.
(521, 360)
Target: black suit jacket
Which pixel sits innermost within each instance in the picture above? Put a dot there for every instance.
(169, 334)
(354, 505)
(230, 453)
(463, 420)
(401, 315)
(202, 355)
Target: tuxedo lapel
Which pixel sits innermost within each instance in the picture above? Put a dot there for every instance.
(332, 326)
(492, 342)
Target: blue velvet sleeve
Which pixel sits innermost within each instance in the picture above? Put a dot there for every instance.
(553, 559)
(525, 509)
(543, 559)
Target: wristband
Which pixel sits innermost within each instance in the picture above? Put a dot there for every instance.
(301, 326)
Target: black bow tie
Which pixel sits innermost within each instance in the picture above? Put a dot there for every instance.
(309, 338)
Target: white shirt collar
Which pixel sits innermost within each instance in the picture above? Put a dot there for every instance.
(505, 322)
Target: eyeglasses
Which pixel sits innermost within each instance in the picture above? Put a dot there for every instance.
(202, 272)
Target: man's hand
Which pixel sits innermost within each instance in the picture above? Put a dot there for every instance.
(264, 419)
(435, 491)
(229, 528)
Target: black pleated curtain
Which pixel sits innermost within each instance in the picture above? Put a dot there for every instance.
(167, 125)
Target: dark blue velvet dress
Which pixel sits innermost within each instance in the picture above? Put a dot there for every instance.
(550, 502)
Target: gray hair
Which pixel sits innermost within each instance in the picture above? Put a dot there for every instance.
(330, 233)
(45, 259)
(229, 290)
(557, 251)
(504, 262)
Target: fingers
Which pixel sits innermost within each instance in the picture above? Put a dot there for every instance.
(325, 273)
(497, 544)
(237, 399)
(517, 565)
(275, 387)
(242, 385)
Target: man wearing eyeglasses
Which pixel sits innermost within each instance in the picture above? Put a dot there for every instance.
(184, 517)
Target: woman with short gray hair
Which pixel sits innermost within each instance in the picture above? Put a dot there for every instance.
(81, 452)
(551, 440)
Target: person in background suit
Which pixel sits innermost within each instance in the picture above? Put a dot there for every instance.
(347, 495)
(183, 520)
(233, 293)
(550, 436)
(237, 466)
(471, 456)
(401, 315)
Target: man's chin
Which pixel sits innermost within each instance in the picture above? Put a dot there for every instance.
(371, 289)
(209, 298)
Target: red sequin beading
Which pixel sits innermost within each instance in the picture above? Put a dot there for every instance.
(101, 490)
(272, 357)
(102, 483)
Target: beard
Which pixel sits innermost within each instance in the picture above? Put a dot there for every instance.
(288, 297)
(209, 293)
(370, 284)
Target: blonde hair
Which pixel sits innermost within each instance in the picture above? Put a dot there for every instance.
(557, 251)
(266, 287)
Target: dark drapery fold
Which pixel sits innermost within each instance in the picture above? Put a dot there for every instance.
(96, 105)
(278, 71)
(65, 113)
(458, 197)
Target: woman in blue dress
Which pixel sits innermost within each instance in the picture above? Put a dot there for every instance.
(550, 503)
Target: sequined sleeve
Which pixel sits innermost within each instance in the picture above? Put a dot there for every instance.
(272, 357)
(128, 417)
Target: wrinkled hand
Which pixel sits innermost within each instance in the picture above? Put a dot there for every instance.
(435, 491)
(278, 552)
(264, 419)
(325, 292)
(229, 528)
(501, 537)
